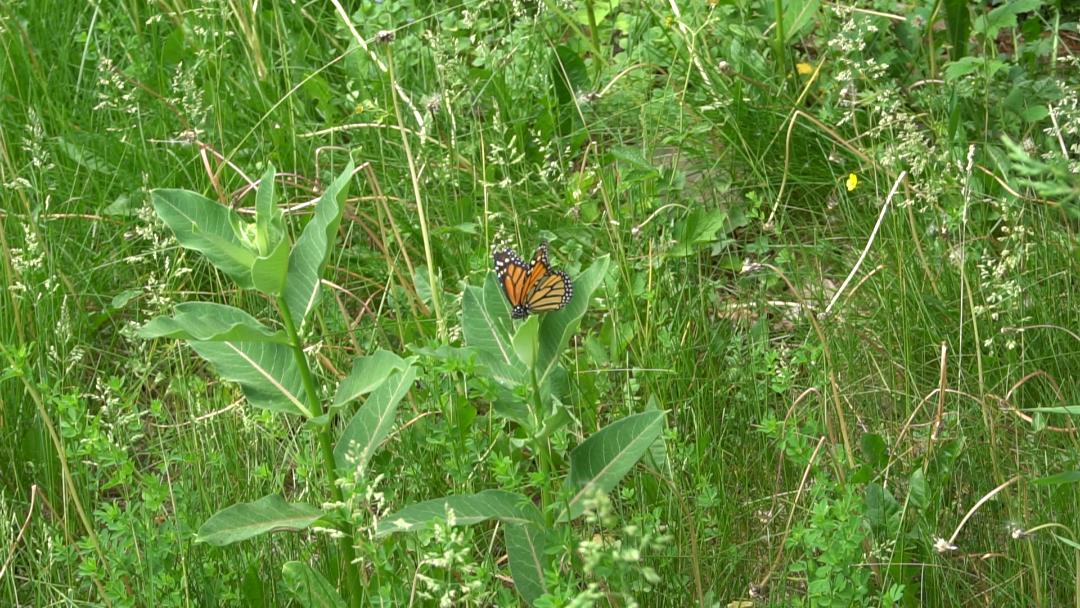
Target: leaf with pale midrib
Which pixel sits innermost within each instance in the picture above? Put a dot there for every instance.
(246, 520)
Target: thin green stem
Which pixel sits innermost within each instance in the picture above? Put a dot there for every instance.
(781, 60)
(543, 446)
(595, 35)
(436, 298)
(16, 363)
(351, 573)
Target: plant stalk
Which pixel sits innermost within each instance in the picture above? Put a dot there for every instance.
(781, 58)
(436, 298)
(543, 446)
(345, 544)
(65, 471)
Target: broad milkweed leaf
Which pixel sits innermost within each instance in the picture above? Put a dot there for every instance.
(310, 588)
(210, 322)
(602, 460)
(311, 250)
(557, 327)
(919, 490)
(246, 520)
(471, 509)
(264, 211)
(698, 229)
(203, 225)
(526, 341)
(266, 372)
(1057, 479)
(372, 422)
(525, 545)
(270, 268)
(367, 374)
(268, 273)
(485, 324)
(634, 161)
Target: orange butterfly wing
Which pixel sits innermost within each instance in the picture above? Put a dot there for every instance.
(534, 286)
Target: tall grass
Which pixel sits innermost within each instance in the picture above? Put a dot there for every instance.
(707, 150)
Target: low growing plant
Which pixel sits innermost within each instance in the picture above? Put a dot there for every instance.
(271, 368)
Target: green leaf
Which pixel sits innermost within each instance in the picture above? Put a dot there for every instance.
(602, 460)
(203, 225)
(1004, 16)
(525, 549)
(635, 159)
(876, 506)
(310, 588)
(270, 268)
(268, 273)
(121, 299)
(264, 211)
(526, 341)
(471, 509)
(601, 9)
(568, 73)
(1068, 541)
(313, 247)
(557, 327)
(798, 14)
(1071, 410)
(918, 490)
(486, 324)
(210, 322)
(367, 374)
(1057, 479)
(958, 24)
(874, 450)
(372, 422)
(697, 229)
(266, 372)
(84, 157)
(245, 520)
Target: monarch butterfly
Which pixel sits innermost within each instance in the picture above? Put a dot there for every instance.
(531, 287)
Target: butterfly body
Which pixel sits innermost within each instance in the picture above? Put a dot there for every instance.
(531, 287)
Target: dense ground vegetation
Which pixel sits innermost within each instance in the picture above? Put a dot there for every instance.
(826, 265)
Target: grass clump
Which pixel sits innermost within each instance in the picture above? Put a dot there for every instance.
(822, 347)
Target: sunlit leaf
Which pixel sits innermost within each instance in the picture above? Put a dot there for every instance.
(486, 325)
(367, 374)
(210, 322)
(310, 588)
(526, 341)
(206, 226)
(268, 273)
(1057, 479)
(602, 460)
(311, 250)
(245, 520)
(507, 507)
(525, 551)
(557, 327)
(372, 422)
(266, 372)
(264, 211)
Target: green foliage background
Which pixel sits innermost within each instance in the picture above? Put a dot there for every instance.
(816, 452)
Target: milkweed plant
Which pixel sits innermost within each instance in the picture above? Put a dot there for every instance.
(268, 360)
